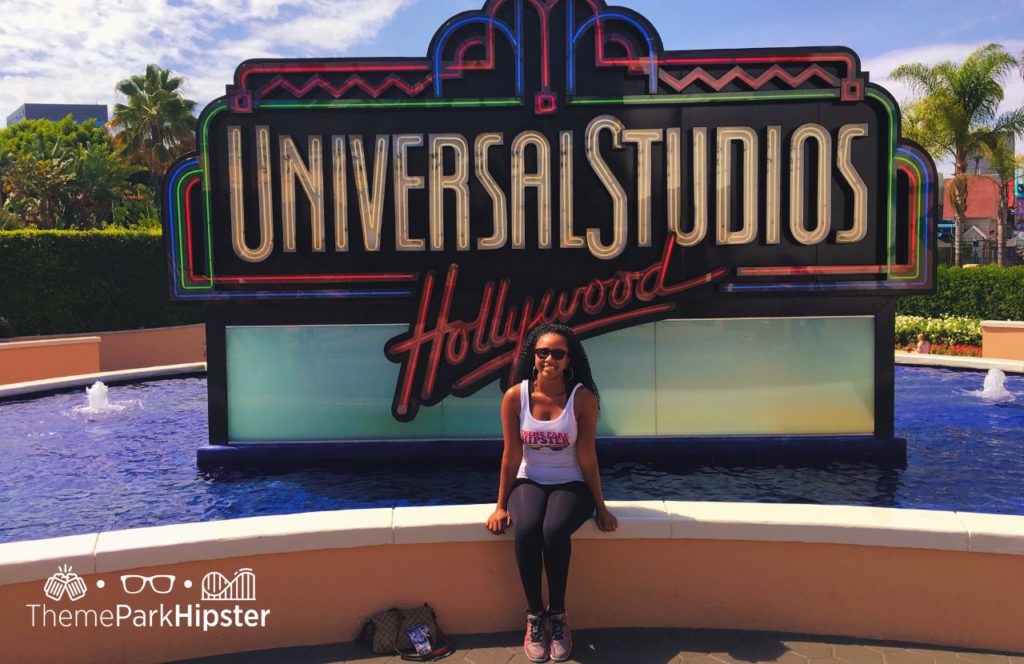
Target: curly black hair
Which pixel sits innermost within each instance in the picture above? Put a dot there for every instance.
(578, 361)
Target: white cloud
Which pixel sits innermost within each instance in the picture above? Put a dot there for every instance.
(881, 67)
(75, 51)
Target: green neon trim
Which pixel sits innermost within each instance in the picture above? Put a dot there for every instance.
(219, 108)
(919, 213)
(794, 94)
(180, 198)
(391, 103)
(696, 99)
(627, 100)
(891, 208)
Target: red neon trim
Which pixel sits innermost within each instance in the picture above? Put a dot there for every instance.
(480, 345)
(411, 89)
(545, 68)
(317, 277)
(494, 338)
(313, 278)
(698, 74)
(414, 351)
(442, 323)
(815, 269)
(321, 67)
(643, 63)
(461, 64)
(500, 361)
(188, 225)
(831, 57)
(627, 46)
(912, 254)
(850, 269)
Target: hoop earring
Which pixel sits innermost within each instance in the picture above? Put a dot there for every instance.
(535, 374)
(568, 375)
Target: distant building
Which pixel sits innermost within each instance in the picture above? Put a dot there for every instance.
(57, 112)
(979, 235)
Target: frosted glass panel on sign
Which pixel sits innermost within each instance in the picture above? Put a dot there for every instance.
(765, 376)
(623, 366)
(672, 378)
(327, 382)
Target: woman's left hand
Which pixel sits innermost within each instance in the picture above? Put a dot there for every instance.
(606, 521)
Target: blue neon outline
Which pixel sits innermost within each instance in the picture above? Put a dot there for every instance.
(653, 76)
(570, 84)
(300, 294)
(171, 209)
(870, 285)
(485, 19)
(213, 295)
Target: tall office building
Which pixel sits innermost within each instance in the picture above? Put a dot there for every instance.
(57, 112)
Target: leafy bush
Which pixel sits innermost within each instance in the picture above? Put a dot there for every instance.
(989, 292)
(951, 330)
(64, 282)
(67, 175)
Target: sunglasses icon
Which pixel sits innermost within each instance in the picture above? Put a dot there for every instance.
(133, 584)
(556, 353)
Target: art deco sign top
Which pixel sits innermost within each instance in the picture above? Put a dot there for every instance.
(547, 160)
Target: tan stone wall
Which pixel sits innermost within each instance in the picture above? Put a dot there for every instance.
(941, 597)
(37, 360)
(1002, 340)
(135, 349)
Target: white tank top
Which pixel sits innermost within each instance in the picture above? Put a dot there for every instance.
(549, 446)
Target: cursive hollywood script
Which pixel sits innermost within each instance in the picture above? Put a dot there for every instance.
(501, 326)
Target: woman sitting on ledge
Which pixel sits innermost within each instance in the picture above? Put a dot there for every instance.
(550, 482)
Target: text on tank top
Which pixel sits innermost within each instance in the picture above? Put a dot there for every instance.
(549, 446)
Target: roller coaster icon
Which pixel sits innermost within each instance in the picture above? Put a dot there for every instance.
(240, 588)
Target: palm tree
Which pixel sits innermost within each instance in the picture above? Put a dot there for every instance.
(157, 124)
(957, 113)
(999, 152)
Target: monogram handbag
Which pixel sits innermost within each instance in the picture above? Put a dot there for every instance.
(411, 633)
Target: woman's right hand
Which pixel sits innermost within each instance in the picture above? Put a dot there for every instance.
(498, 521)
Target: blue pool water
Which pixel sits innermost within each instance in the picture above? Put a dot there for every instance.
(65, 471)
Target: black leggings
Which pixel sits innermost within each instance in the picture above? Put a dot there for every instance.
(544, 516)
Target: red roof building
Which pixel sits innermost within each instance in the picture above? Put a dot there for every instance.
(979, 232)
(982, 198)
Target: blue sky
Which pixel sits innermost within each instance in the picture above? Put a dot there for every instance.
(74, 51)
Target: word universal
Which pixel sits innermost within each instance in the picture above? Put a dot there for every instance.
(808, 158)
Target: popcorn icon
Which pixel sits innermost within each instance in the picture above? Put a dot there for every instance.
(65, 582)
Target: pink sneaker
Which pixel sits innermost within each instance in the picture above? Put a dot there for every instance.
(536, 643)
(561, 637)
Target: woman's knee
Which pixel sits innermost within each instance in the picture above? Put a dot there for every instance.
(556, 534)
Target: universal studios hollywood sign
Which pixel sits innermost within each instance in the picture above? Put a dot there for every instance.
(546, 161)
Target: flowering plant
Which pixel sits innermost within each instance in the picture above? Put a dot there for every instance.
(950, 330)
(960, 350)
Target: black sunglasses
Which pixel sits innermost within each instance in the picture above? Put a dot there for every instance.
(556, 353)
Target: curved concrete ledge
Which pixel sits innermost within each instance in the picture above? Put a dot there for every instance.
(954, 362)
(69, 382)
(944, 578)
(1003, 324)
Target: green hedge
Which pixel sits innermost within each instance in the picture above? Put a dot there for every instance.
(63, 282)
(987, 293)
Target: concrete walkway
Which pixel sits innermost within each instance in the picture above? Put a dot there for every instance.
(648, 646)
